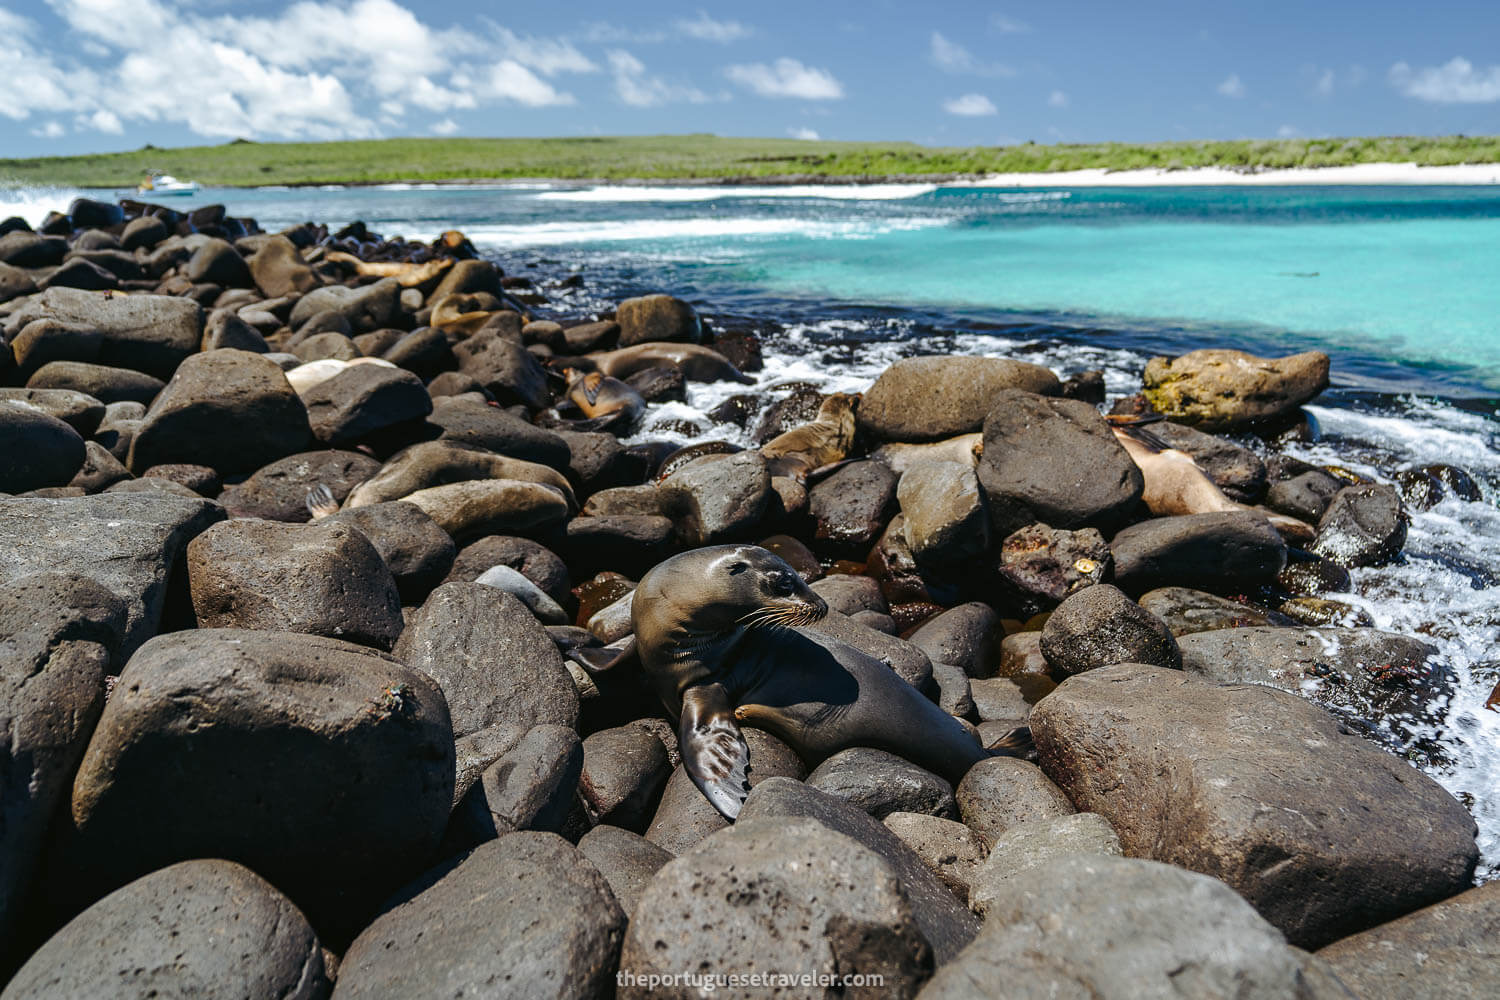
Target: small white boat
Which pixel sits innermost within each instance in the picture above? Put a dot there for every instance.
(160, 185)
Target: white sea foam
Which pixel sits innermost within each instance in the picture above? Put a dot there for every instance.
(1361, 173)
(33, 203)
(842, 192)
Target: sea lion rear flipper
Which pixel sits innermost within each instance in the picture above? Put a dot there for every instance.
(1016, 743)
(598, 659)
(320, 502)
(713, 750)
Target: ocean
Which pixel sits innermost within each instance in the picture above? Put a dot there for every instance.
(1398, 284)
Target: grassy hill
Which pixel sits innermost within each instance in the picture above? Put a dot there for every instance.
(242, 163)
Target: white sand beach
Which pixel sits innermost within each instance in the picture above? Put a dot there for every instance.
(1364, 173)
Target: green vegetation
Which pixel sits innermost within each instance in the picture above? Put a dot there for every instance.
(242, 163)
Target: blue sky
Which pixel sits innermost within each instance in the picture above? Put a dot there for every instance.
(96, 75)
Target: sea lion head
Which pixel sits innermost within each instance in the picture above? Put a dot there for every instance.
(720, 588)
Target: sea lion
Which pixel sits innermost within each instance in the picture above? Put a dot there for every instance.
(407, 275)
(305, 376)
(454, 314)
(719, 636)
(604, 400)
(964, 449)
(826, 441)
(1175, 485)
(697, 364)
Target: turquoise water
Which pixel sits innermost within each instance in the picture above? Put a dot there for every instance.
(1398, 283)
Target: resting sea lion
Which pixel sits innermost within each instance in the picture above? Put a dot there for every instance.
(605, 401)
(407, 275)
(826, 441)
(718, 633)
(1175, 485)
(697, 364)
(305, 376)
(964, 449)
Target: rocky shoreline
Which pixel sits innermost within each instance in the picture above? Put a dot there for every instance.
(313, 547)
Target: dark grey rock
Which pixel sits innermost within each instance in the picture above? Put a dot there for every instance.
(626, 543)
(1449, 951)
(525, 916)
(504, 433)
(909, 662)
(217, 262)
(418, 553)
(1236, 470)
(944, 922)
(947, 521)
(80, 411)
(370, 307)
(100, 469)
(492, 657)
(149, 333)
(1305, 496)
(231, 410)
(624, 770)
(1055, 461)
(1100, 626)
(60, 636)
(1187, 611)
(951, 850)
(657, 317)
(967, 636)
(717, 499)
(278, 269)
(851, 507)
(533, 560)
(927, 399)
(881, 783)
(1230, 552)
(850, 595)
(325, 767)
(506, 369)
(1118, 928)
(1028, 845)
(627, 861)
(194, 929)
(363, 400)
(1040, 566)
(322, 579)
(1003, 792)
(1384, 680)
(278, 491)
(531, 787)
(784, 885)
(43, 341)
(126, 543)
(1323, 833)
(1363, 526)
(40, 450)
(108, 385)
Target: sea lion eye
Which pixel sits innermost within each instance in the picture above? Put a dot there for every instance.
(781, 585)
(737, 568)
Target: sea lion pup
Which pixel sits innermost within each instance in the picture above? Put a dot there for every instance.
(697, 364)
(1175, 485)
(407, 275)
(964, 449)
(719, 635)
(804, 449)
(604, 400)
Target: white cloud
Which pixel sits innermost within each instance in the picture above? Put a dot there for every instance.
(319, 69)
(1057, 99)
(706, 29)
(951, 57)
(1008, 25)
(1324, 86)
(1232, 86)
(787, 78)
(101, 121)
(803, 133)
(1289, 131)
(639, 89)
(970, 105)
(51, 130)
(508, 80)
(1455, 82)
(445, 127)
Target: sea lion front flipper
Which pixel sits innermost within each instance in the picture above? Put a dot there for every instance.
(713, 750)
(1016, 743)
(593, 383)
